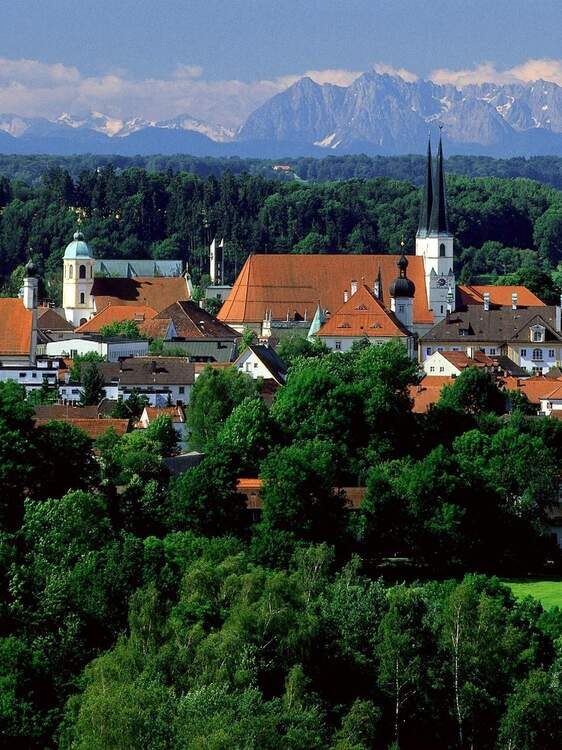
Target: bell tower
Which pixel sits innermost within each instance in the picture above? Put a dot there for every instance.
(434, 241)
(77, 281)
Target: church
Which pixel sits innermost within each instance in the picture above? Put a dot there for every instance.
(399, 295)
(91, 285)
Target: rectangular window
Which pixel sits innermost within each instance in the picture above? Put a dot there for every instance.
(338, 345)
(523, 352)
(22, 374)
(441, 369)
(551, 353)
(432, 369)
(181, 389)
(401, 308)
(492, 351)
(428, 351)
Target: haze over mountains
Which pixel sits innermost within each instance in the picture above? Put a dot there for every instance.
(377, 114)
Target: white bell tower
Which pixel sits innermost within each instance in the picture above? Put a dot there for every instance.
(434, 241)
(77, 281)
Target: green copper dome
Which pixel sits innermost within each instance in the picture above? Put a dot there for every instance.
(77, 248)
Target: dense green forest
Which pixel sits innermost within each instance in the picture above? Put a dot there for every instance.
(547, 169)
(502, 226)
(142, 612)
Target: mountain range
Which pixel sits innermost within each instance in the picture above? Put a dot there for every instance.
(377, 114)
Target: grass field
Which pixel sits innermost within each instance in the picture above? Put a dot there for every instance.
(549, 593)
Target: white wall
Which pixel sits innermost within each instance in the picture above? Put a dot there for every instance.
(252, 365)
(437, 364)
(346, 342)
(110, 350)
(548, 360)
(156, 395)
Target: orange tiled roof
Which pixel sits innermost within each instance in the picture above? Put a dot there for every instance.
(555, 394)
(461, 360)
(534, 388)
(117, 314)
(93, 428)
(499, 295)
(174, 412)
(297, 284)
(251, 487)
(362, 315)
(158, 292)
(427, 392)
(15, 327)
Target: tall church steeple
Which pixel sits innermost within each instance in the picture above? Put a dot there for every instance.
(427, 197)
(435, 244)
(438, 221)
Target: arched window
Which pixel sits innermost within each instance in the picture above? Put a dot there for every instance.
(537, 355)
(442, 249)
(82, 272)
(82, 298)
(69, 272)
(82, 321)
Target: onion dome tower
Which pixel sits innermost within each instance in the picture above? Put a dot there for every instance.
(402, 291)
(78, 280)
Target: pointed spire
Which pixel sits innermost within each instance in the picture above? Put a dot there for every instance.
(439, 223)
(427, 196)
(317, 321)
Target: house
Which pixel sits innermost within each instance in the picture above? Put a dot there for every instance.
(175, 413)
(51, 326)
(531, 337)
(201, 335)
(452, 363)
(363, 316)
(89, 286)
(112, 348)
(163, 380)
(427, 392)
(116, 314)
(262, 361)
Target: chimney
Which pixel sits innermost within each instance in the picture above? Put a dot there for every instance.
(486, 296)
(514, 301)
(345, 295)
(353, 287)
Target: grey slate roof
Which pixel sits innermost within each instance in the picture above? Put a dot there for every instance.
(497, 326)
(427, 197)
(439, 222)
(129, 269)
(193, 322)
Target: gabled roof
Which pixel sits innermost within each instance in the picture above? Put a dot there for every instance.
(65, 411)
(499, 325)
(193, 322)
(157, 293)
(117, 314)
(294, 285)
(362, 315)
(174, 412)
(157, 328)
(269, 359)
(471, 294)
(16, 324)
(461, 360)
(49, 319)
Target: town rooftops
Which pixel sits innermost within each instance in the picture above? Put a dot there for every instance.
(156, 328)
(501, 296)
(157, 293)
(362, 315)
(194, 322)
(535, 388)
(148, 371)
(428, 392)
(174, 412)
(461, 360)
(16, 324)
(496, 325)
(294, 285)
(117, 314)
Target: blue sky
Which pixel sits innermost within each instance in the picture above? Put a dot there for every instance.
(221, 58)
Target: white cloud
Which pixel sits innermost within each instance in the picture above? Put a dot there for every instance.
(407, 75)
(531, 70)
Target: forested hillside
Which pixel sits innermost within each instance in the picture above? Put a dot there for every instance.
(500, 226)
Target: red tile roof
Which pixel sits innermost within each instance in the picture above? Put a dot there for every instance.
(174, 412)
(155, 328)
(15, 327)
(252, 489)
(117, 314)
(427, 392)
(157, 292)
(534, 388)
(93, 428)
(297, 284)
(499, 295)
(362, 315)
(461, 360)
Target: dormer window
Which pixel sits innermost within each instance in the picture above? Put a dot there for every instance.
(537, 334)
